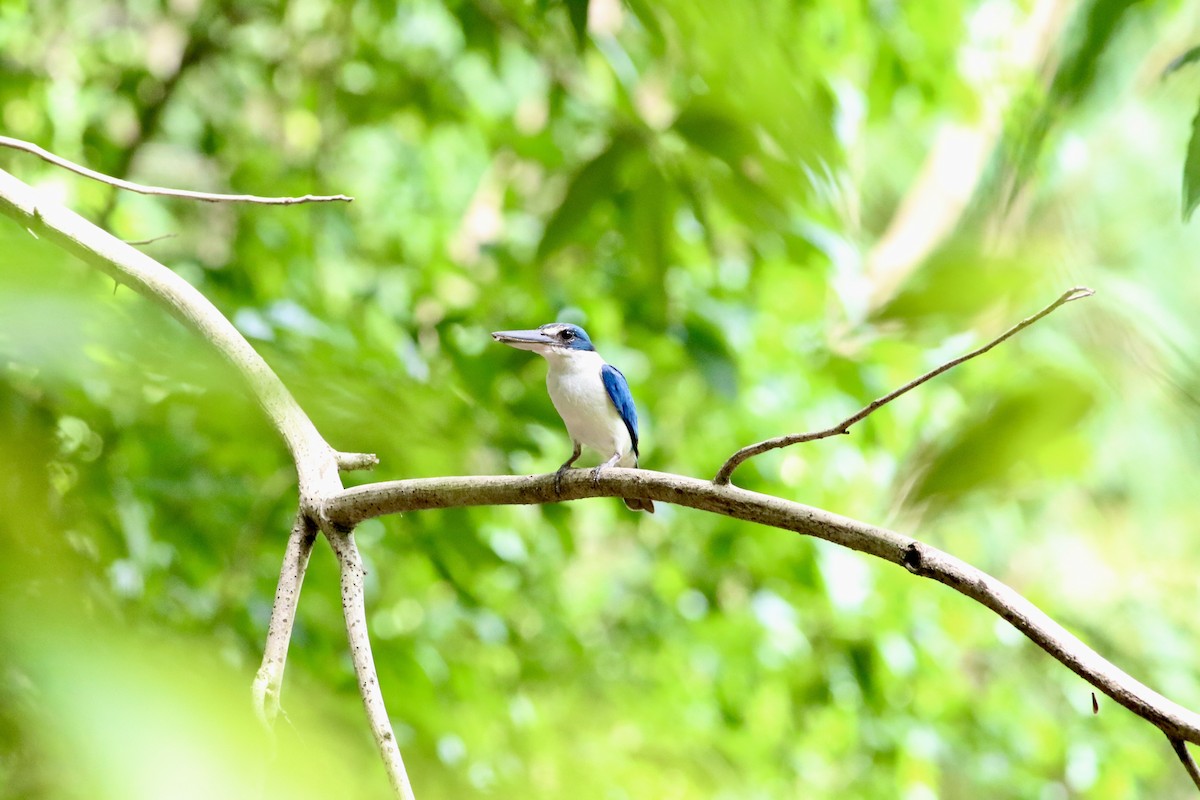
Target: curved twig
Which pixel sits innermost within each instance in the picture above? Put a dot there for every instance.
(318, 465)
(355, 612)
(750, 451)
(269, 680)
(206, 197)
(326, 506)
(150, 240)
(372, 500)
(1185, 757)
(316, 462)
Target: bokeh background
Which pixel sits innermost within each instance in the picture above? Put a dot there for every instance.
(766, 214)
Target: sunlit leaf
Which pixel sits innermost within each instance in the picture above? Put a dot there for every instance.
(595, 182)
(981, 454)
(1191, 170)
(716, 134)
(707, 345)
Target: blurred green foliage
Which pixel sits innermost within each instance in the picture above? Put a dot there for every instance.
(698, 185)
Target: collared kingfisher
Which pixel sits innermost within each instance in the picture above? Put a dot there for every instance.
(592, 397)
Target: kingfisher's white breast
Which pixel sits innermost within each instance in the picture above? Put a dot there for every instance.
(579, 396)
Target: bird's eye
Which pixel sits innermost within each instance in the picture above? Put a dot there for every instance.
(567, 335)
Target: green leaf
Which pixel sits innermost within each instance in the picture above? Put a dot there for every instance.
(712, 354)
(1094, 31)
(646, 14)
(596, 180)
(717, 134)
(578, 10)
(1191, 171)
(652, 229)
(1021, 426)
(1087, 42)
(1179, 62)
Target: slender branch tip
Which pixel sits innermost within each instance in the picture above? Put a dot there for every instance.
(1185, 757)
(348, 462)
(725, 473)
(130, 186)
(150, 240)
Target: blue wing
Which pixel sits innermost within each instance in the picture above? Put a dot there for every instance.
(618, 391)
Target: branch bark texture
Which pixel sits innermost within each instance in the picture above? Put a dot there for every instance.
(354, 609)
(1185, 757)
(373, 500)
(268, 682)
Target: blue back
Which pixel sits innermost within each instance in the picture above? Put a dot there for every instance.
(618, 391)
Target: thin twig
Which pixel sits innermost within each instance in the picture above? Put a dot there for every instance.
(317, 464)
(314, 458)
(207, 197)
(355, 612)
(748, 452)
(348, 462)
(199, 46)
(269, 680)
(151, 240)
(1185, 757)
(323, 502)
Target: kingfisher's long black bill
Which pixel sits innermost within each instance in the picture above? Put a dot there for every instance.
(523, 340)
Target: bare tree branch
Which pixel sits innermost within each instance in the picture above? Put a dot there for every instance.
(317, 464)
(200, 44)
(373, 500)
(1185, 757)
(748, 452)
(355, 613)
(269, 680)
(207, 197)
(326, 506)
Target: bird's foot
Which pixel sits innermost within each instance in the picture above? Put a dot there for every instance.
(596, 475)
(558, 476)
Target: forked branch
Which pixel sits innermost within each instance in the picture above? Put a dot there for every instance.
(318, 465)
(326, 506)
(316, 462)
(750, 451)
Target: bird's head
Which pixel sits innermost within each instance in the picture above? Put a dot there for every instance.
(555, 339)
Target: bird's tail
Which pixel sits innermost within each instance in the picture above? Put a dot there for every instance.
(635, 503)
(638, 504)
